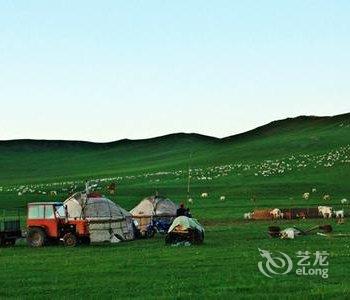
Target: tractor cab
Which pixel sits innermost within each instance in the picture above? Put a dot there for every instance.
(48, 222)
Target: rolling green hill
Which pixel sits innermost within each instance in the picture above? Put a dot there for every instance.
(279, 160)
(35, 161)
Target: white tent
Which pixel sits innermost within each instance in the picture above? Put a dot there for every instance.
(107, 220)
(154, 206)
(150, 207)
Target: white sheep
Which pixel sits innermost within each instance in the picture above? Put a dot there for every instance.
(222, 198)
(190, 200)
(248, 215)
(325, 211)
(326, 197)
(314, 190)
(306, 196)
(276, 213)
(339, 214)
(204, 195)
(344, 201)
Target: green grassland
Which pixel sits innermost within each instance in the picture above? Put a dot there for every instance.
(274, 165)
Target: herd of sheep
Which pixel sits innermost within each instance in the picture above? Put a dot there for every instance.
(265, 168)
(323, 211)
(277, 167)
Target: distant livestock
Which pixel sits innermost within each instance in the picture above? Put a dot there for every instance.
(339, 214)
(190, 200)
(204, 195)
(53, 193)
(306, 196)
(248, 215)
(314, 190)
(326, 197)
(344, 201)
(325, 211)
(222, 198)
(276, 213)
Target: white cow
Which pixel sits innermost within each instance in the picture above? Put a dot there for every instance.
(204, 195)
(306, 196)
(276, 213)
(344, 201)
(248, 216)
(222, 198)
(339, 214)
(325, 211)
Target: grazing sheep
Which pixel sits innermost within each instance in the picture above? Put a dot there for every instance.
(339, 214)
(326, 197)
(276, 213)
(325, 211)
(306, 196)
(222, 198)
(53, 193)
(204, 195)
(190, 200)
(248, 215)
(344, 201)
(314, 190)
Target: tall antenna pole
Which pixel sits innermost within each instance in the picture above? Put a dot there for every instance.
(87, 187)
(189, 177)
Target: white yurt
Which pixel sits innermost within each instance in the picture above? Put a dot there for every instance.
(107, 220)
(153, 207)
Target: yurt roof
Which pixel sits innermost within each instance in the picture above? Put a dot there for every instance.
(79, 205)
(154, 206)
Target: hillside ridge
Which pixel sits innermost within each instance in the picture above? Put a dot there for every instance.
(274, 125)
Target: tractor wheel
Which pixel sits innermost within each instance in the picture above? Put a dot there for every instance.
(11, 242)
(70, 240)
(36, 237)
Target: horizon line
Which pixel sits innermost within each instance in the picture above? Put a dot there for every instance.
(177, 133)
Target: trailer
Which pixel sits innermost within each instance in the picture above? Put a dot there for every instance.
(10, 228)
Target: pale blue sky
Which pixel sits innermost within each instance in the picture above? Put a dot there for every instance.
(106, 70)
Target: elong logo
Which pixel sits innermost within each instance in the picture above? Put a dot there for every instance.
(282, 264)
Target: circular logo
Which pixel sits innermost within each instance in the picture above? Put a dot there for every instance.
(274, 265)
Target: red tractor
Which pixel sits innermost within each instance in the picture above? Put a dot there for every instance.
(48, 222)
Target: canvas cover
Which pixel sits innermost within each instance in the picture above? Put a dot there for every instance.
(107, 220)
(184, 223)
(155, 206)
